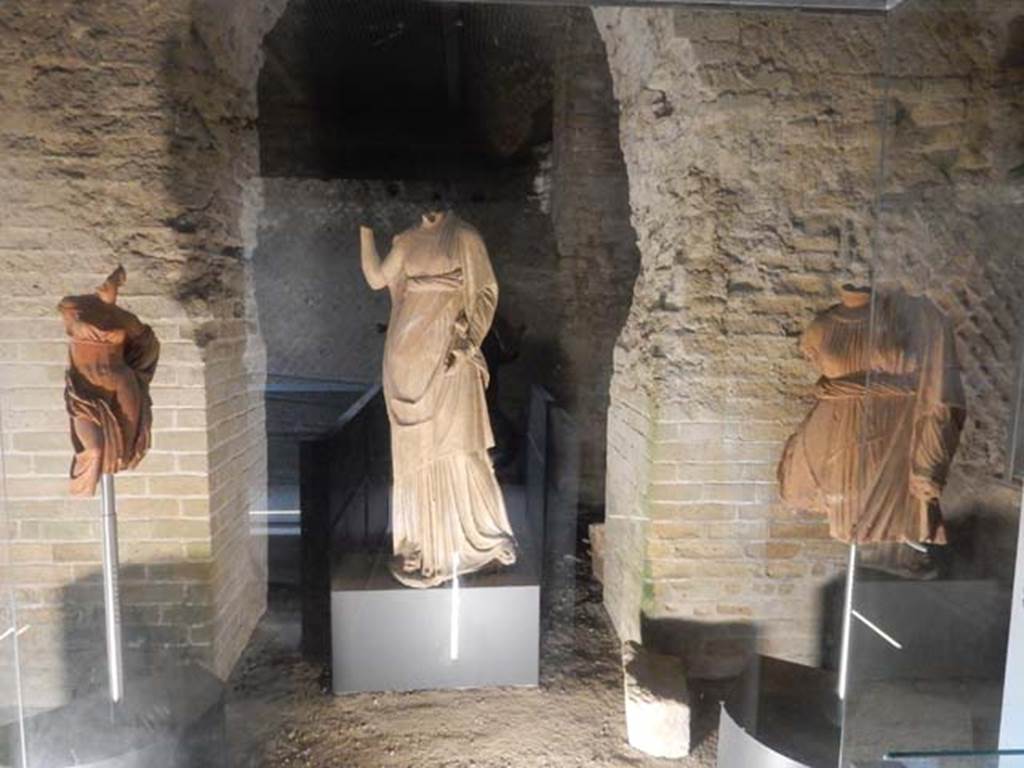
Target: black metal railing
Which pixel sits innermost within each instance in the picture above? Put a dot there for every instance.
(344, 478)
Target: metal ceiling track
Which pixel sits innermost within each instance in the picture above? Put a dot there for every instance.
(862, 6)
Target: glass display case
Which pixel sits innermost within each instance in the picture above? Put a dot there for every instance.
(931, 607)
(12, 708)
(719, 303)
(908, 451)
(999, 759)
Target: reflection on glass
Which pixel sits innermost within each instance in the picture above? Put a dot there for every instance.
(13, 748)
(931, 606)
(1002, 759)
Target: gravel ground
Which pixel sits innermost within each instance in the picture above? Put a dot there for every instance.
(280, 711)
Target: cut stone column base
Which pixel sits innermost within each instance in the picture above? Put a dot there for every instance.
(657, 702)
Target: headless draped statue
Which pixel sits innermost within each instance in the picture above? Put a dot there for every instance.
(447, 511)
(112, 359)
(874, 452)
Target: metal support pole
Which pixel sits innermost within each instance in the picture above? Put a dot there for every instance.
(844, 652)
(842, 689)
(111, 592)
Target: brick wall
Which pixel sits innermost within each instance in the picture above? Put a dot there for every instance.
(126, 138)
(237, 455)
(752, 143)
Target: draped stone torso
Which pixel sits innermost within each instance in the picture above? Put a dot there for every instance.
(874, 452)
(448, 514)
(112, 359)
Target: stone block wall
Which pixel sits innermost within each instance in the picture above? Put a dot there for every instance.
(237, 455)
(626, 576)
(126, 137)
(752, 141)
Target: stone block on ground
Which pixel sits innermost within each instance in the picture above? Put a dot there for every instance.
(657, 702)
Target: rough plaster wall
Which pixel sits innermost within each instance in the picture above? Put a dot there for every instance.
(626, 572)
(752, 145)
(127, 138)
(319, 317)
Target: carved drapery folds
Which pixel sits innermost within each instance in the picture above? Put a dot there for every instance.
(112, 359)
(447, 511)
(874, 452)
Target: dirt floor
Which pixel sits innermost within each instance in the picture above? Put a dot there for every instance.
(281, 713)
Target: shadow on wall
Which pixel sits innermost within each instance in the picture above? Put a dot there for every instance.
(210, 168)
(1014, 57)
(983, 515)
(723, 649)
(955, 626)
(951, 627)
(832, 599)
(172, 714)
(166, 620)
(208, 138)
(210, 173)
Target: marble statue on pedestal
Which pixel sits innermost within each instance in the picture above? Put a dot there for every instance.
(874, 452)
(447, 512)
(112, 359)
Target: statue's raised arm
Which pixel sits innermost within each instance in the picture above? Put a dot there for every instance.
(379, 274)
